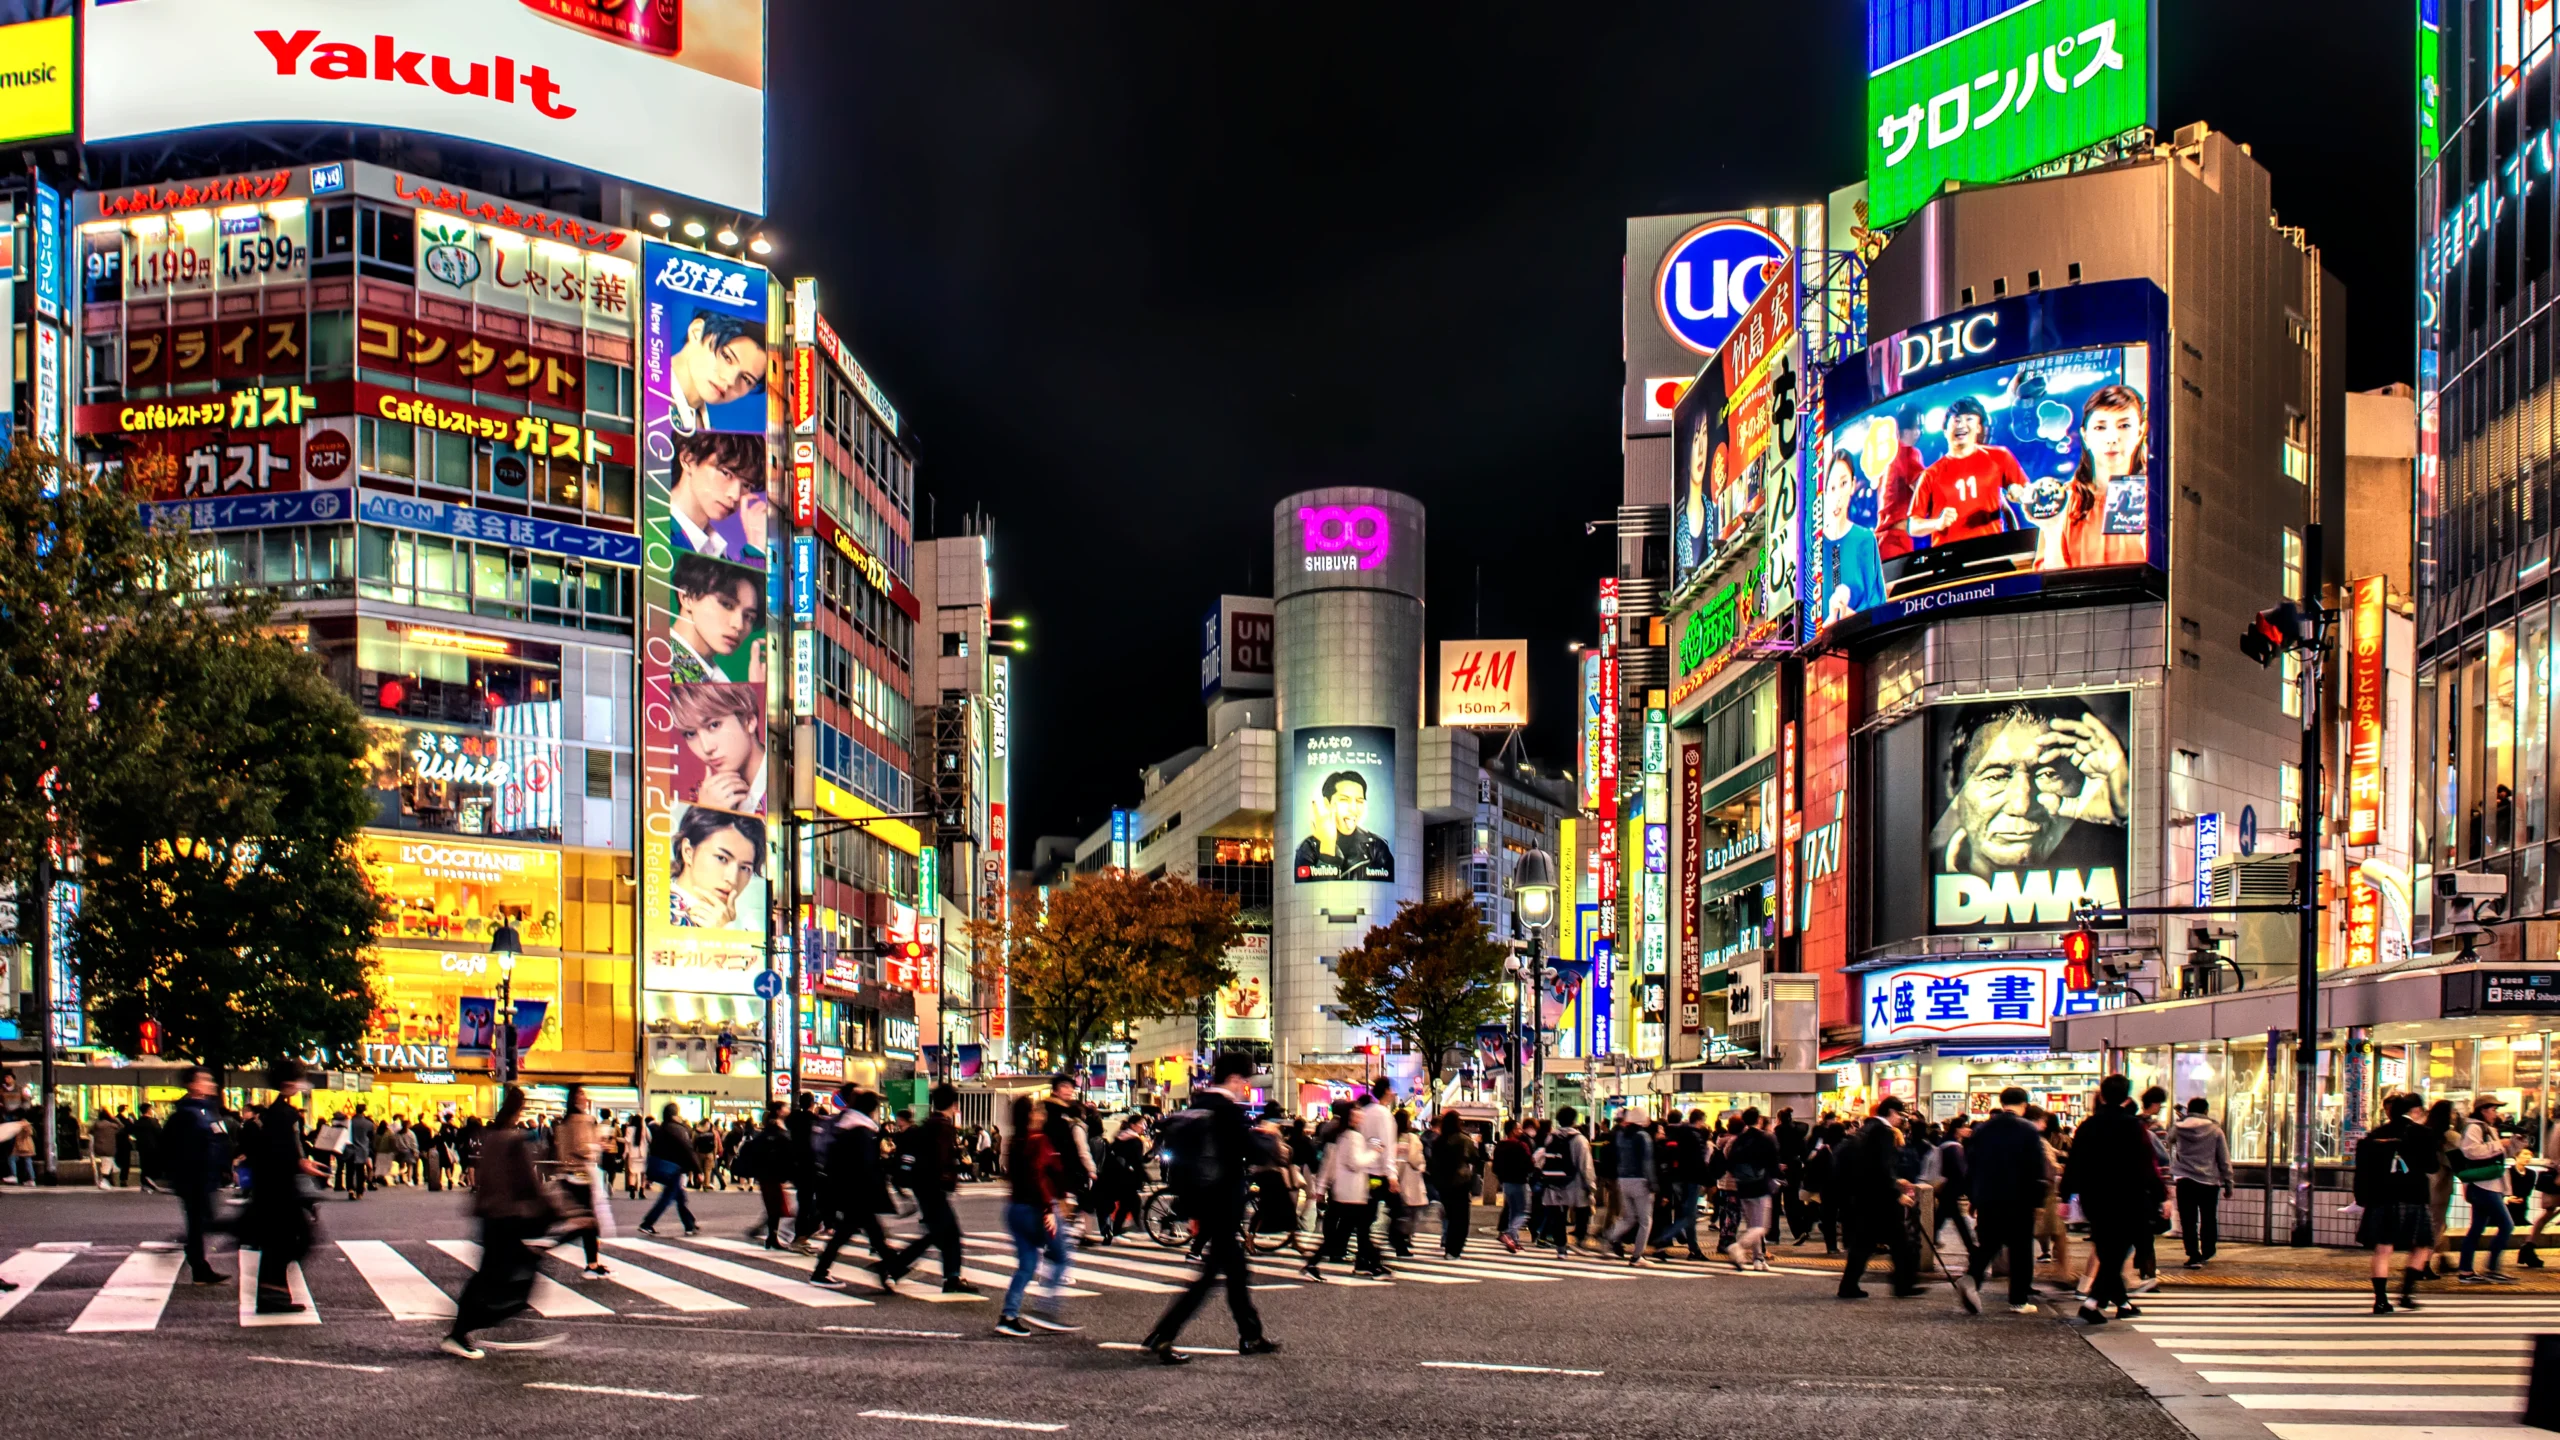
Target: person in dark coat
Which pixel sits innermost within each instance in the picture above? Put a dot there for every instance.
(855, 1188)
(279, 1218)
(1238, 1147)
(144, 1135)
(2116, 1175)
(802, 1169)
(514, 1209)
(2005, 1176)
(937, 1174)
(2396, 1162)
(1795, 1141)
(1871, 1197)
(196, 1160)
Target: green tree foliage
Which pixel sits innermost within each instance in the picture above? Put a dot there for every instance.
(1114, 949)
(1428, 977)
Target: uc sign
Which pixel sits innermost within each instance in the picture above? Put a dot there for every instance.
(1709, 279)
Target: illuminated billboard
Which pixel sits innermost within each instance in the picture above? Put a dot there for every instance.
(1983, 455)
(1484, 683)
(1986, 90)
(2033, 807)
(668, 93)
(704, 662)
(1340, 780)
(36, 68)
(1734, 436)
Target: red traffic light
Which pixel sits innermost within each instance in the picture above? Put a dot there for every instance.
(2079, 960)
(149, 1041)
(723, 1055)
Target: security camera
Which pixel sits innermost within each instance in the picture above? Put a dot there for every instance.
(2469, 885)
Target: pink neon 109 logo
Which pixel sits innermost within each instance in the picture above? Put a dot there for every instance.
(1345, 537)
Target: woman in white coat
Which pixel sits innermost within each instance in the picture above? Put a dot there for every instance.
(1342, 1179)
(1408, 1192)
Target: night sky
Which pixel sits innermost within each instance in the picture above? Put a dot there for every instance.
(1133, 272)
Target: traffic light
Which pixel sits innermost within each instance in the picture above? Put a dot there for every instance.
(2079, 960)
(149, 1041)
(724, 1053)
(2274, 632)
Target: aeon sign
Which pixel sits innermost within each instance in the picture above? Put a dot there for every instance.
(1345, 537)
(1709, 278)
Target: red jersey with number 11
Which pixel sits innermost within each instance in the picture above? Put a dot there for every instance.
(1971, 485)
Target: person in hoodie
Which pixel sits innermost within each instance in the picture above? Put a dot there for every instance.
(2113, 1172)
(2200, 1168)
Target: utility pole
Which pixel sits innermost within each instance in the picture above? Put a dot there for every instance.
(41, 956)
(2306, 1025)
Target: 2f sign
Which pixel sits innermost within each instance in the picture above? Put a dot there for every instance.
(1484, 682)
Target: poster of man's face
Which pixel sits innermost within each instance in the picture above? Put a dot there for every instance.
(1343, 780)
(2033, 802)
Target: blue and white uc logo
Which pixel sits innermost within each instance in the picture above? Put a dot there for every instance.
(1709, 278)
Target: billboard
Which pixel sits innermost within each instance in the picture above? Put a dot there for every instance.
(1979, 92)
(1690, 279)
(1341, 782)
(2367, 701)
(668, 94)
(2033, 808)
(1244, 1003)
(1734, 436)
(1484, 682)
(1596, 720)
(449, 891)
(1236, 647)
(36, 67)
(705, 520)
(1983, 455)
(2007, 998)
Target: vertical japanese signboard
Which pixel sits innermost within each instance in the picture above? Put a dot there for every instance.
(704, 652)
(1607, 722)
(1693, 788)
(2365, 708)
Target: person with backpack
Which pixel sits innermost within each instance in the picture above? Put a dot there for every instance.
(1564, 1179)
(2395, 1161)
(853, 1188)
(1211, 1152)
(1455, 1161)
(935, 1146)
(2117, 1179)
(1512, 1170)
(764, 1161)
(1752, 1161)
(1945, 1177)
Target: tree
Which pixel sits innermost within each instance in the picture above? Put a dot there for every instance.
(1111, 950)
(222, 894)
(1428, 977)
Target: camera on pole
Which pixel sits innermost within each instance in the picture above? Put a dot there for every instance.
(2470, 903)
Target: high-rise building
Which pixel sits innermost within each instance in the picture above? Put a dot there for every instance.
(965, 737)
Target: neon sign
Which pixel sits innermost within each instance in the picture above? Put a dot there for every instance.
(1345, 537)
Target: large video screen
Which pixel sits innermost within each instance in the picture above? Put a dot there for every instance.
(666, 93)
(1986, 484)
(2032, 805)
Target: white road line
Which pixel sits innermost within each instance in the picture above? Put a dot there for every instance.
(402, 1288)
(2385, 1404)
(799, 1292)
(1185, 1349)
(981, 1421)
(28, 1269)
(674, 1294)
(294, 1285)
(1509, 1369)
(133, 1297)
(1475, 1270)
(550, 1299)
(2336, 1325)
(997, 1278)
(892, 1334)
(2434, 1360)
(608, 1390)
(320, 1364)
(2433, 1346)
(2509, 1379)
(2317, 1431)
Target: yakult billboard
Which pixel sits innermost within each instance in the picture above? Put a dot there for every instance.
(667, 93)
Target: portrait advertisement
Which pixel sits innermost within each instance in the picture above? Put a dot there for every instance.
(716, 871)
(2033, 807)
(1342, 783)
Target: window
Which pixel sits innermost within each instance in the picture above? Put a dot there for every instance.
(2289, 784)
(609, 389)
(2293, 684)
(386, 448)
(333, 345)
(2297, 449)
(954, 643)
(2293, 565)
(599, 774)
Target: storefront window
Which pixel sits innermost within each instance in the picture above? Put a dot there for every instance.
(449, 892)
(2246, 1116)
(504, 783)
(438, 673)
(2498, 735)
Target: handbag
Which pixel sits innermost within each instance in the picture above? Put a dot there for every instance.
(2482, 1172)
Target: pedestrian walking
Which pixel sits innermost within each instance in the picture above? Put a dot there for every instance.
(1795, 1142)
(513, 1209)
(1513, 1169)
(2482, 1170)
(1410, 1189)
(1343, 1182)
(1752, 1163)
(936, 1147)
(104, 1132)
(2395, 1163)
(2006, 1173)
(1455, 1162)
(198, 1160)
(577, 1151)
(1633, 1147)
(2200, 1168)
(1565, 1178)
(355, 1156)
(2446, 1131)
(2115, 1176)
(279, 1217)
(1872, 1197)
(1687, 1164)
(670, 1157)
(765, 1161)
(1213, 1157)
(1036, 1177)
(854, 1186)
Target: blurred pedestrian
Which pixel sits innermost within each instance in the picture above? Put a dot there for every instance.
(513, 1209)
(279, 1217)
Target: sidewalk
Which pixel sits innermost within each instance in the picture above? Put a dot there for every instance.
(2234, 1267)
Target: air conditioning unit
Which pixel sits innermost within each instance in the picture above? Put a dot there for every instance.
(2268, 946)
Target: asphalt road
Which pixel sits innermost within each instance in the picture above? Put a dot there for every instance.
(1696, 1351)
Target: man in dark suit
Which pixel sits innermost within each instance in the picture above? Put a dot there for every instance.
(198, 1159)
(1873, 1196)
(2006, 1161)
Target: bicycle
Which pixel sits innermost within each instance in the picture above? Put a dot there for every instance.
(1270, 1224)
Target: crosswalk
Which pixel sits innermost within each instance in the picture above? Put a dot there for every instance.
(2323, 1367)
(89, 1289)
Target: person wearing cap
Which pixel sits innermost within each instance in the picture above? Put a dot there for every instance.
(2482, 1169)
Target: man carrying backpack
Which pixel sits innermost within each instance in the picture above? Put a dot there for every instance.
(1564, 1178)
(1211, 1151)
(937, 1173)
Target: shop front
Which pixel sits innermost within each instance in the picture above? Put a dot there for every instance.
(703, 1028)
(1947, 1036)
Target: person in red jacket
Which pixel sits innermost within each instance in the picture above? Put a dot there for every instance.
(1959, 498)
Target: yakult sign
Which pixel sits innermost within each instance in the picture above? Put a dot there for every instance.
(671, 95)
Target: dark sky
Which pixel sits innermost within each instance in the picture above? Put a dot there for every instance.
(1135, 271)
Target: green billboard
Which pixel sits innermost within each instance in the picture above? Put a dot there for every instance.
(1993, 99)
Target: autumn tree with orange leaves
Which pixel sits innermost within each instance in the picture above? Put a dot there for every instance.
(1113, 949)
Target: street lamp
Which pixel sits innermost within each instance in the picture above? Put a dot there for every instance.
(1533, 891)
(504, 944)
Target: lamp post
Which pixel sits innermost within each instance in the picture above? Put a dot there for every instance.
(1533, 889)
(504, 944)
